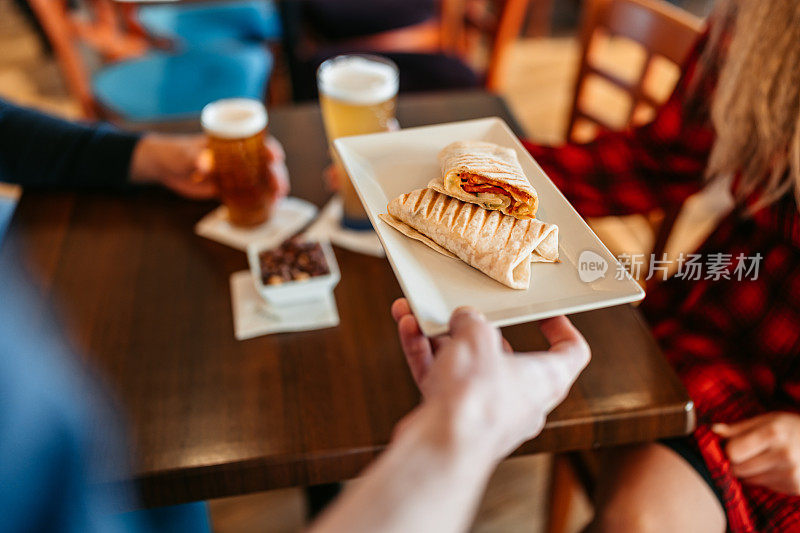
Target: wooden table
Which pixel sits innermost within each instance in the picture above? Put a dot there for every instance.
(148, 302)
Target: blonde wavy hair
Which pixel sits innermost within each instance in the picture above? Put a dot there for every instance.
(756, 106)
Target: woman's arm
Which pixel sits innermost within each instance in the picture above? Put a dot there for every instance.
(646, 168)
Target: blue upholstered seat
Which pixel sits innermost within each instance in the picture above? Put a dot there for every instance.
(169, 86)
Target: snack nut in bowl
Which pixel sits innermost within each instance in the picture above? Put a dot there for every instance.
(298, 271)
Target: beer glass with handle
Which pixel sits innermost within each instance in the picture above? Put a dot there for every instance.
(358, 95)
(236, 129)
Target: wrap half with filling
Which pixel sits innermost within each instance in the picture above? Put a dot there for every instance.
(500, 246)
(488, 175)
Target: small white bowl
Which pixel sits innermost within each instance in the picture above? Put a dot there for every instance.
(294, 292)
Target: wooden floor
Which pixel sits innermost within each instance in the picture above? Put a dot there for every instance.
(538, 87)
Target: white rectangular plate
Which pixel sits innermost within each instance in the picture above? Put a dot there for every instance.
(383, 166)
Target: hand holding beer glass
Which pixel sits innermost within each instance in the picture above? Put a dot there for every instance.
(358, 95)
(241, 162)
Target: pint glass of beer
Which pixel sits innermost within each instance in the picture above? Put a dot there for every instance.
(358, 94)
(236, 128)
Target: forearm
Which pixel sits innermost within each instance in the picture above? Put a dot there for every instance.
(38, 150)
(428, 479)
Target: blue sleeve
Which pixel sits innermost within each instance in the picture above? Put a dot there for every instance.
(59, 447)
(37, 150)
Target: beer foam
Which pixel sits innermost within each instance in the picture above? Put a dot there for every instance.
(357, 80)
(234, 118)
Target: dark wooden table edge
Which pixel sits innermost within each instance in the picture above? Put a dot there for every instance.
(259, 474)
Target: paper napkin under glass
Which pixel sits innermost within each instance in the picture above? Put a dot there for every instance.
(289, 217)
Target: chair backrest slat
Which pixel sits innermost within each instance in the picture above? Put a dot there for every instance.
(661, 28)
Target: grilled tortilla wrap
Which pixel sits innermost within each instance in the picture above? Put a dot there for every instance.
(498, 245)
(486, 174)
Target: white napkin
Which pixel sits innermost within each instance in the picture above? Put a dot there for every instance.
(289, 217)
(253, 316)
(329, 227)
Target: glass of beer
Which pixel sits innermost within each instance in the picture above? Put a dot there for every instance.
(358, 95)
(236, 128)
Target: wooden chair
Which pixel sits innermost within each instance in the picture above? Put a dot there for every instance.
(137, 84)
(457, 29)
(105, 31)
(663, 31)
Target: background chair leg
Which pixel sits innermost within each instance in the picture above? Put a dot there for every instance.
(563, 484)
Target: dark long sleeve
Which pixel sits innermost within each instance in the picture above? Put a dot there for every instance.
(37, 150)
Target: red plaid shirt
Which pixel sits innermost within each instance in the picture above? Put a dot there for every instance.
(735, 344)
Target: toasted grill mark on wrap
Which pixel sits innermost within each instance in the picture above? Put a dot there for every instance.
(408, 231)
(500, 246)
